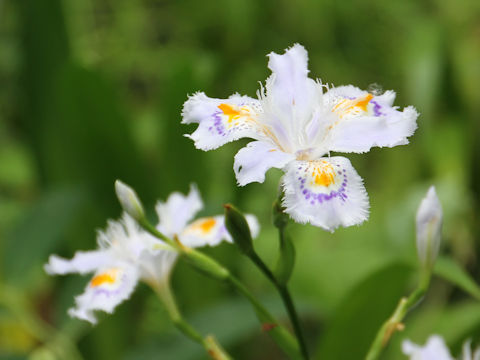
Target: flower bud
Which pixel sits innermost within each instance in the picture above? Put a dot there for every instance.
(429, 228)
(129, 200)
(237, 226)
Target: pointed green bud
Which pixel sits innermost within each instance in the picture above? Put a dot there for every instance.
(129, 200)
(286, 258)
(237, 226)
(429, 228)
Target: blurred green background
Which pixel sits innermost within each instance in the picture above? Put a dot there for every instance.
(91, 91)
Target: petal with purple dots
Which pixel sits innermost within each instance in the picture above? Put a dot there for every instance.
(109, 287)
(326, 192)
(363, 120)
(222, 120)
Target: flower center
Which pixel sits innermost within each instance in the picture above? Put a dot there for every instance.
(323, 175)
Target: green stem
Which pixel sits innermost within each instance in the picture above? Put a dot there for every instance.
(210, 266)
(164, 292)
(394, 322)
(287, 301)
(283, 338)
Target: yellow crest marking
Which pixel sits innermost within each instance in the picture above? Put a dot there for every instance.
(108, 277)
(323, 175)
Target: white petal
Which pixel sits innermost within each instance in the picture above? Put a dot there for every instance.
(362, 120)
(327, 192)
(466, 350)
(253, 161)
(157, 265)
(83, 262)
(434, 349)
(289, 88)
(221, 120)
(108, 288)
(211, 231)
(178, 210)
(204, 231)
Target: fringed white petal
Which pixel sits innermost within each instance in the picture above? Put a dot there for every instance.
(289, 89)
(221, 120)
(178, 210)
(108, 288)
(327, 193)
(211, 231)
(362, 120)
(253, 161)
(83, 262)
(434, 349)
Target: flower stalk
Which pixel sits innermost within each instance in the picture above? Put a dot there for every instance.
(394, 322)
(429, 232)
(208, 265)
(210, 344)
(238, 228)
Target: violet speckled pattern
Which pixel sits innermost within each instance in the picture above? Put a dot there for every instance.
(317, 196)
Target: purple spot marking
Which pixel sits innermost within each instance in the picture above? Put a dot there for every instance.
(376, 108)
(218, 123)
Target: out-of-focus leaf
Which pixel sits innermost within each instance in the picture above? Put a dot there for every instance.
(451, 271)
(361, 313)
(38, 233)
(423, 65)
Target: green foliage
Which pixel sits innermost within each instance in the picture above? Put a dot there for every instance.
(92, 91)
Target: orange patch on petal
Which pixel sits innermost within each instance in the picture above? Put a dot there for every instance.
(229, 111)
(347, 106)
(205, 225)
(362, 103)
(323, 176)
(108, 277)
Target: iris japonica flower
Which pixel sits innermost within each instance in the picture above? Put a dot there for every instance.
(295, 123)
(435, 349)
(127, 254)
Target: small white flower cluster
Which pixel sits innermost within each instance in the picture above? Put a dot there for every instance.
(128, 254)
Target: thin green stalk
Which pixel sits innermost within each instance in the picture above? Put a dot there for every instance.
(209, 343)
(287, 301)
(210, 266)
(394, 322)
(283, 338)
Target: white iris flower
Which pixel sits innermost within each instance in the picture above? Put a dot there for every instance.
(296, 122)
(435, 349)
(128, 254)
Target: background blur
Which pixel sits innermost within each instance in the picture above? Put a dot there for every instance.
(92, 91)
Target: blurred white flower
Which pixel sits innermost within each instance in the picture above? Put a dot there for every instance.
(295, 125)
(429, 228)
(128, 254)
(435, 349)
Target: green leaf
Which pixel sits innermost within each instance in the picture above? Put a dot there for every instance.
(452, 272)
(362, 312)
(31, 241)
